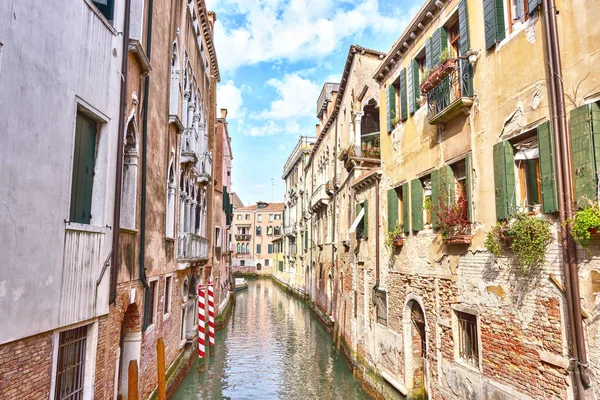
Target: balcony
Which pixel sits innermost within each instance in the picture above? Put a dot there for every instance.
(370, 146)
(242, 237)
(189, 142)
(331, 186)
(290, 230)
(204, 166)
(448, 90)
(319, 199)
(192, 247)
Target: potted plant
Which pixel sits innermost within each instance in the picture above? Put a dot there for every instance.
(445, 55)
(585, 224)
(445, 67)
(453, 222)
(343, 156)
(529, 237)
(395, 237)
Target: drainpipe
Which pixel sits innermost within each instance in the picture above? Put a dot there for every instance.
(143, 279)
(376, 233)
(560, 131)
(114, 263)
(333, 275)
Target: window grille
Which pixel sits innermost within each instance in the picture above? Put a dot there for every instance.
(468, 346)
(70, 371)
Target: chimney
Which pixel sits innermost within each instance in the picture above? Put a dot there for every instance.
(223, 113)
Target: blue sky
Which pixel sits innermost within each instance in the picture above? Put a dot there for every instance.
(274, 56)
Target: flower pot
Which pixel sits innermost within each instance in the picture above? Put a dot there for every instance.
(398, 242)
(458, 239)
(438, 73)
(594, 231)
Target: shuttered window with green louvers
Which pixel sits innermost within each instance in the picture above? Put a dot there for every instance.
(493, 19)
(585, 137)
(360, 226)
(405, 208)
(442, 191)
(410, 87)
(547, 167)
(403, 102)
(392, 202)
(439, 43)
(390, 106)
(504, 180)
(464, 45)
(416, 204)
(84, 160)
(428, 60)
(469, 171)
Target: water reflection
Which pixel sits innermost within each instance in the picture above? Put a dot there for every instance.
(272, 348)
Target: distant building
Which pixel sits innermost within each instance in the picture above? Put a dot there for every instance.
(254, 229)
(236, 201)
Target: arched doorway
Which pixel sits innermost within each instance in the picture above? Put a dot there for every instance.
(415, 342)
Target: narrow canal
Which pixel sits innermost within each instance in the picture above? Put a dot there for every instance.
(272, 348)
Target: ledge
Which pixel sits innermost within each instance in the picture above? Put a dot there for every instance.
(136, 49)
(460, 104)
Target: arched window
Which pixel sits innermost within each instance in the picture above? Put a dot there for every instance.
(170, 227)
(258, 231)
(174, 93)
(130, 154)
(238, 248)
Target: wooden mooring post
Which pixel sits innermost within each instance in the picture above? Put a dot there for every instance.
(132, 380)
(160, 361)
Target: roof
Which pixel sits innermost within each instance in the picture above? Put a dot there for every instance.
(343, 83)
(409, 37)
(208, 34)
(269, 207)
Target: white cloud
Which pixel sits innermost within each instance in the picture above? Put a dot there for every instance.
(229, 96)
(296, 98)
(273, 30)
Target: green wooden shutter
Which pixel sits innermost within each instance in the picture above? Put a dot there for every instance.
(359, 228)
(585, 147)
(469, 183)
(405, 208)
(493, 18)
(270, 249)
(504, 179)
(388, 112)
(84, 155)
(547, 167)
(392, 202)
(464, 45)
(436, 44)
(416, 204)
(403, 104)
(435, 198)
(391, 106)
(428, 60)
(410, 87)
(366, 219)
(415, 93)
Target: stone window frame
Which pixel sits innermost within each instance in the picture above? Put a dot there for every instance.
(455, 334)
(90, 358)
(152, 326)
(168, 296)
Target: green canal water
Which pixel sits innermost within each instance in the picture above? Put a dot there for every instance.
(271, 348)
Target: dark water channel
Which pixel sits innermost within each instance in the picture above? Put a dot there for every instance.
(272, 348)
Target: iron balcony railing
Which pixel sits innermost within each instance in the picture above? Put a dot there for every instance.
(370, 145)
(452, 92)
(192, 247)
(242, 237)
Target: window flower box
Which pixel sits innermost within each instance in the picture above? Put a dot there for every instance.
(458, 239)
(437, 75)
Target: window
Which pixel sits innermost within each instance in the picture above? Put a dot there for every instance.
(167, 301)
(277, 217)
(84, 159)
(394, 199)
(266, 262)
(70, 364)
(247, 217)
(277, 231)
(218, 236)
(152, 293)
(361, 224)
(381, 305)
(527, 164)
(468, 342)
(259, 231)
(258, 248)
(242, 263)
(259, 217)
(270, 249)
(517, 13)
(106, 7)
(239, 217)
(238, 248)
(269, 231)
(270, 217)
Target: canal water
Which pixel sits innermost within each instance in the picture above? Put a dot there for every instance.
(271, 348)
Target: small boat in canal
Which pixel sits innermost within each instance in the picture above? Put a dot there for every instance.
(240, 284)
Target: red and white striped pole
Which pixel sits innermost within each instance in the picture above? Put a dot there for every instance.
(201, 322)
(211, 316)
